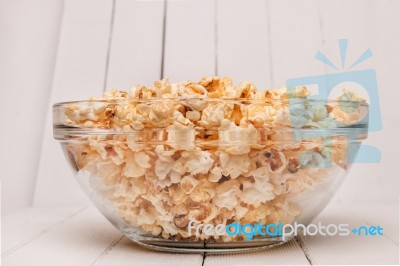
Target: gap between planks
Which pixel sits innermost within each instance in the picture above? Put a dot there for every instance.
(108, 249)
(110, 35)
(164, 32)
(300, 243)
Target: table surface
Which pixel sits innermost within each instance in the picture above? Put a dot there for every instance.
(82, 236)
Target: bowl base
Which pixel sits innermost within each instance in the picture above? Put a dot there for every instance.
(177, 246)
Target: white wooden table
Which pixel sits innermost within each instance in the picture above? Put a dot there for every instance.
(121, 43)
(82, 236)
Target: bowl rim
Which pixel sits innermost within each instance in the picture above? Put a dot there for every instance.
(225, 100)
(358, 130)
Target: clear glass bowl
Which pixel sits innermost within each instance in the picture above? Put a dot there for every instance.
(182, 188)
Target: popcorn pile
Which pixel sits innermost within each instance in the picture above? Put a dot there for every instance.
(210, 151)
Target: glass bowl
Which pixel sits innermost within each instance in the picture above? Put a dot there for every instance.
(170, 180)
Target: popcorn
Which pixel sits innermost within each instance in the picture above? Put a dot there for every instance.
(218, 87)
(246, 90)
(273, 159)
(260, 111)
(227, 193)
(181, 137)
(144, 218)
(255, 197)
(122, 188)
(178, 170)
(159, 112)
(133, 169)
(153, 229)
(163, 166)
(203, 214)
(199, 163)
(238, 140)
(142, 159)
(235, 165)
(215, 174)
(311, 159)
(193, 115)
(210, 151)
(169, 227)
(108, 171)
(203, 192)
(213, 114)
(240, 211)
(320, 113)
(181, 221)
(188, 183)
(83, 155)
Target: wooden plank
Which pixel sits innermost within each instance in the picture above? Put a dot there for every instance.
(77, 241)
(287, 254)
(21, 227)
(351, 249)
(369, 24)
(79, 74)
(28, 46)
(189, 40)
(383, 214)
(136, 45)
(386, 23)
(243, 41)
(125, 252)
(355, 23)
(295, 37)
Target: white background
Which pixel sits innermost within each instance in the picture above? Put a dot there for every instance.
(53, 50)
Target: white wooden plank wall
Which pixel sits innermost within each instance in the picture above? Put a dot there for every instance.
(243, 47)
(135, 43)
(247, 40)
(79, 72)
(28, 47)
(386, 59)
(189, 51)
(369, 24)
(295, 36)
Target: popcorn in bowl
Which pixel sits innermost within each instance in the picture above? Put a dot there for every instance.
(168, 162)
